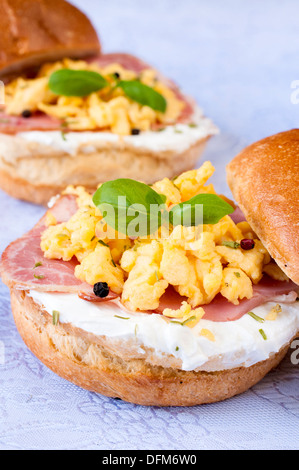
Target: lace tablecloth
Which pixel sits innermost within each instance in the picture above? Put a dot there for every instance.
(238, 60)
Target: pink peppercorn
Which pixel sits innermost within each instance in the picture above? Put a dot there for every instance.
(247, 244)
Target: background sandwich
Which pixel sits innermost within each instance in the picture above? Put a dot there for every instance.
(76, 116)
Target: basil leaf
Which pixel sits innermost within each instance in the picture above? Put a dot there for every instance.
(189, 213)
(80, 83)
(143, 94)
(126, 207)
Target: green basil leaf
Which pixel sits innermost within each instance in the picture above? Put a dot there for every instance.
(143, 94)
(188, 213)
(80, 83)
(126, 207)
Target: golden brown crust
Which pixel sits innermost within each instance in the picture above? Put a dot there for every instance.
(88, 364)
(264, 180)
(37, 177)
(37, 31)
(21, 189)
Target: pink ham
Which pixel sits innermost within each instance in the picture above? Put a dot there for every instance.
(238, 216)
(89, 296)
(63, 209)
(127, 61)
(38, 122)
(42, 122)
(20, 261)
(221, 310)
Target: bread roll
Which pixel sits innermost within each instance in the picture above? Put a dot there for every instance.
(37, 31)
(264, 179)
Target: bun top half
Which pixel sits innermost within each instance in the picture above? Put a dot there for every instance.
(38, 31)
(264, 179)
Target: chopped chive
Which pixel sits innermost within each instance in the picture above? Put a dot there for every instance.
(177, 348)
(55, 316)
(38, 264)
(122, 318)
(112, 260)
(103, 243)
(192, 125)
(40, 277)
(256, 318)
(178, 131)
(263, 334)
(188, 320)
(185, 322)
(63, 136)
(233, 245)
(157, 277)
(237, 274)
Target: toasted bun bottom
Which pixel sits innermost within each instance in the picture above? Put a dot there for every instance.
(68, 353)
(39, 176)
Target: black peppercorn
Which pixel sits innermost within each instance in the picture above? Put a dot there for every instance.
(247, 244)
(101, 289)
(135, 131)
(26, 113)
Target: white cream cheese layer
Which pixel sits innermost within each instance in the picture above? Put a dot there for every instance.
(238, 343)
(173, 138)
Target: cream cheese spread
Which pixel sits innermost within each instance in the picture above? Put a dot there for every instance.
(237, 343)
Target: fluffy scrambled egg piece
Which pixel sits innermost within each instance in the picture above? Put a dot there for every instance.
(98, 266)
(195, 261)
(107, 109)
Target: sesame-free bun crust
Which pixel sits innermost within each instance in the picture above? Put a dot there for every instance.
(89, 362)
(38, 31)
(42, 172)
(264, 180)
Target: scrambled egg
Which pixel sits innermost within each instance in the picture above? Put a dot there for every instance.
(194, 260)
(108, 109)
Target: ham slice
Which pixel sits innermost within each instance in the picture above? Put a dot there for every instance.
(37, 122)
(221, 310)
(24, 266)
(238, 216)
(41, 122)
(127, 61)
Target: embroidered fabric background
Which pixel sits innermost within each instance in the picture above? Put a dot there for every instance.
(239, 60)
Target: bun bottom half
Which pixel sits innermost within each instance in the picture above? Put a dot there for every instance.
(79, 358)
(40, 174)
